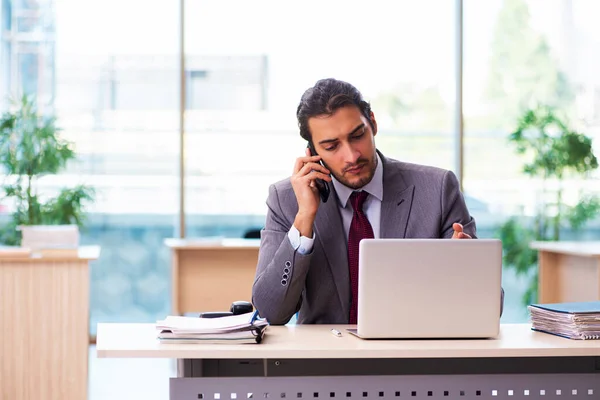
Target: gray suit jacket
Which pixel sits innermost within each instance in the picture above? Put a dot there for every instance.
(418, 202)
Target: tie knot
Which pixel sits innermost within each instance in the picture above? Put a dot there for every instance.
(358, 199)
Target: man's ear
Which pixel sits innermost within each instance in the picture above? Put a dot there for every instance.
(373, 123)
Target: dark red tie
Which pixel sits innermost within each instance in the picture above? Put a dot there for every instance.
(360, 228)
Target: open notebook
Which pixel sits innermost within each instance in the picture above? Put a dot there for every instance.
(580, 320)
(244, 328)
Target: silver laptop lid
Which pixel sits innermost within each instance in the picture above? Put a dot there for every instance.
(429, 288)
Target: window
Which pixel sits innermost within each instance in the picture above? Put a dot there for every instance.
(244, 136)
(520, 53)
(108, 70)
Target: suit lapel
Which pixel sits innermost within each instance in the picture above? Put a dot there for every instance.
(330, 231)
(396, 204)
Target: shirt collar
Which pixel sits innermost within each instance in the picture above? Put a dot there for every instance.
(374, 188)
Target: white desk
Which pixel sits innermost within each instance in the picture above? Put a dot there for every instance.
(568, 271)
(301, 361)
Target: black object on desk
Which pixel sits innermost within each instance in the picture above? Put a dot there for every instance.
(237, 308)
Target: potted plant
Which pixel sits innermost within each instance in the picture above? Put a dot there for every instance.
(554, 152)
(31, 148)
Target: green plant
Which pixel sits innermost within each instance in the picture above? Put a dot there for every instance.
(30, 148)
(554, 152)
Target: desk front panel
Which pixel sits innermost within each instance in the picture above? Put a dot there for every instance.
(278, 367)
(380, 379)
(44, 315)
(413, 387)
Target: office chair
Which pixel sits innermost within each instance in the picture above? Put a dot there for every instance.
(252, 234)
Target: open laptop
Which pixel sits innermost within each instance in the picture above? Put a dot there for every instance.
(429, 288)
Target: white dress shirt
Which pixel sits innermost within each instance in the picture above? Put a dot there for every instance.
(371, 207)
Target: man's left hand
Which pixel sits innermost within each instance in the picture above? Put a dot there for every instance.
(458, 232)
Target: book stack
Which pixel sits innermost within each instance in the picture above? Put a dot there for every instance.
(579, 320)
(235, 329)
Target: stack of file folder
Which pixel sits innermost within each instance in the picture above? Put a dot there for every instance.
(243, 328)
(570, 320)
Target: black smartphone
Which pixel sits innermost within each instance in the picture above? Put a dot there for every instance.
(322, 186)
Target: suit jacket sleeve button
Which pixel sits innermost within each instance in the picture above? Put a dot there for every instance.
(288, 264)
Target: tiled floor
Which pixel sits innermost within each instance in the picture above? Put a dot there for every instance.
(126, 378)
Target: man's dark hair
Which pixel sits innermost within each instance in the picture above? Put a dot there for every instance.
(327, 96)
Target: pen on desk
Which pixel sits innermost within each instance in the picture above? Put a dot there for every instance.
(336, 332)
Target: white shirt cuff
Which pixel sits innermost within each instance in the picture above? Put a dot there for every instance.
(303, 244)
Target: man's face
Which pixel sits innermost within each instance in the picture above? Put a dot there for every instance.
(345, 141)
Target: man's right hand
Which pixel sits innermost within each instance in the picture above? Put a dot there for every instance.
(306, 170)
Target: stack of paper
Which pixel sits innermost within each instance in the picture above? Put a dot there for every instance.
(571, 320)
(244, 328)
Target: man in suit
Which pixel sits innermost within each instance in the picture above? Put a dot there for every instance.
(303, 263)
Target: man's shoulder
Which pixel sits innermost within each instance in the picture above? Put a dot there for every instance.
(415, 171)
(282, 186)
(282, 200)
(283, 192)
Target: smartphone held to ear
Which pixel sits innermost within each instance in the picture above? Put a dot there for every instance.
(322, 185)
